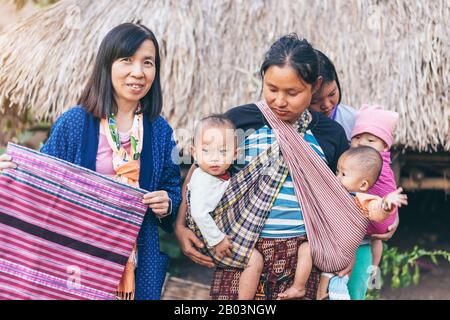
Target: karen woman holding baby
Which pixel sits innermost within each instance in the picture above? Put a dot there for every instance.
(290, 74)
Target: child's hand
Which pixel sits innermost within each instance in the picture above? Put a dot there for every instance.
(395, 198)
(223, 248)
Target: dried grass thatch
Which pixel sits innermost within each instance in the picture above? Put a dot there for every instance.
(391, 52)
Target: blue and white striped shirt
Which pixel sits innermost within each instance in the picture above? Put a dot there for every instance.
(285, 220)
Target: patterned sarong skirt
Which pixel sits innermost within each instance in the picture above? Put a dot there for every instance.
(280, 261)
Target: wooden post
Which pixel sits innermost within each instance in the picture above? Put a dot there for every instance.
(426, 184)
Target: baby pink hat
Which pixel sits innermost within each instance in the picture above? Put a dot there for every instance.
(377, 121)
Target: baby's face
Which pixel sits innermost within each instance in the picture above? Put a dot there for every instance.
(215, 149)
(369, 140)
(350, 175)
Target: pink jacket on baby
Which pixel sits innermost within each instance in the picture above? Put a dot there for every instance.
(384, 185)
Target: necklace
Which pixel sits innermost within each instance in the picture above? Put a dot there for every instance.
(302, 123)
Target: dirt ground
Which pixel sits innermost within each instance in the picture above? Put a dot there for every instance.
(425, 222)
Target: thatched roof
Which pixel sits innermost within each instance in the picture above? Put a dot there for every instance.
(391, 52)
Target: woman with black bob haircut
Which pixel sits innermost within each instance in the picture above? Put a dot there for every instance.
(290, 75)
(117, 130)
(122, 41)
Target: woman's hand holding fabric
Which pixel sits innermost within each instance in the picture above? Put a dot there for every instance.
(158, 201)
(6, 162)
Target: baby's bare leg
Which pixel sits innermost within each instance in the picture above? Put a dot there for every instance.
(249, 280)
(322, 289)
(377, 251)
(302, 272)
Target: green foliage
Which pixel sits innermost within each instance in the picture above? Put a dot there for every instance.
(373, 294)
(169, 245)
(401, 268)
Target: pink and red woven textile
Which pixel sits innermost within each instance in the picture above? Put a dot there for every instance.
(65, 232)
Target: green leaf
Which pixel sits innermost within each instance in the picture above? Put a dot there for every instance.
(395, 270)
(405, 276)
(433, 258)
(395, 282)
(373, 294)
(416, 276)
(397, 264)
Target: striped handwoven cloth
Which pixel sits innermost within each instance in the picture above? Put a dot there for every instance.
(334, 224)
(66, 232)
(243, 209)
